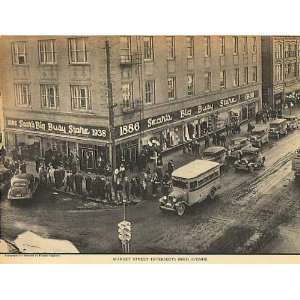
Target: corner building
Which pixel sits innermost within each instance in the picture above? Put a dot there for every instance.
(173, 89)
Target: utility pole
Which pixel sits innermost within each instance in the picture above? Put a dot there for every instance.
(111, 107)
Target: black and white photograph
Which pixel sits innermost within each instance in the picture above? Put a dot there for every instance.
(139, 144)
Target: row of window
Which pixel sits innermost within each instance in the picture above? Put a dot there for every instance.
(80, 96)
(47, 54)
(287, 49)
(170, 44)
(194, 185)
(289, 70)
(81, 99)
(78, 51)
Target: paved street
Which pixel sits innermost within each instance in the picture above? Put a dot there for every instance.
(221, 226)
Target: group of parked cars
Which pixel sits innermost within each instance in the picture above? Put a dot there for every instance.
(200, 179)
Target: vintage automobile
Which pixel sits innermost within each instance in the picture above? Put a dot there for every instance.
(192, 183)
(23, 187)
(235, 147)
(216, 154)
(5, 176)
(278, 128)
(292, 122)
(250, 162)
(259, 135)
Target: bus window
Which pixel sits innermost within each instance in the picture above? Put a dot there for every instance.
(180, 184)
(193, 185)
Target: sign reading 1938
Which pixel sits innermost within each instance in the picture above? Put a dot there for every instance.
(59, 128)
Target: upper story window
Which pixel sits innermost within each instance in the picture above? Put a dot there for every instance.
(125, 47)
(290, 49)
(127, 95)
(80, 97)
(245, 43)
(207, 46)
(235, 45)
(236, 80)
(190, 46)
(246, 80)
(207, 81)
(22, 92)
(223, 79)
(254, 74)
(149, 91)
(148, 48)
(77, 51)
(278, 72)
(49, 96)
(47, 51)
(19, 53)
(254, 45)
(222, 45)
(171, 88)
(190, 85)
(170, 47)
(278, 50)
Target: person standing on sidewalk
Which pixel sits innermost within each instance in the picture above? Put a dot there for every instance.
(88, 184)
(108, 193)
(127, 188)
(78, 182)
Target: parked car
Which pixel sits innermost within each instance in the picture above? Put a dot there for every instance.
(23, 187)
(235, 147)
(250, 162)
(216, 154)
(192, 183)
(259, 136)
(292, 122)
(278, 128)
(5, 176)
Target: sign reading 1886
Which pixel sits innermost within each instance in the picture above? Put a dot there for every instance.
(59, 128)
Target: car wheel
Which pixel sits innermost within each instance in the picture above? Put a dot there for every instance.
(180, 208)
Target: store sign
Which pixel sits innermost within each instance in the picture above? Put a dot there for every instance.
(100, 133)
(157, 121)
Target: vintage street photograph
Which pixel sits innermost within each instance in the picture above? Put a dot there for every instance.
(150, 144)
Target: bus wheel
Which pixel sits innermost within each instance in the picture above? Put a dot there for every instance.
(180, 209)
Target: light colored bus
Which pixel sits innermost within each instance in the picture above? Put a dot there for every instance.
(192, 183)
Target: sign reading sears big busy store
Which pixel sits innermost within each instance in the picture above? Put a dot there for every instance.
(100, 133)
(153, 122)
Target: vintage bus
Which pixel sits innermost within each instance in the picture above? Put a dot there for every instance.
(192, 183)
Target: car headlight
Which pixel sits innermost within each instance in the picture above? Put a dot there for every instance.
(174, 200)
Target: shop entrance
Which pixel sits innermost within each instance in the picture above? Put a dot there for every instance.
(128, 152)
(88, 159)
(92, 157)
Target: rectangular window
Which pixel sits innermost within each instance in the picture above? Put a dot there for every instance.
(19, 53)
(223, 79)
(171, 88)
(125, 48)
(207, 81)
(127, 95)
(170, 47)
(222, 45)
(246, 75)
(22, 94)
(190, 46)
(207, 46)
(235, 45)
(148, 48)
(254, 74)
(80, 97)
(254, 46)
(278, 72)
(47, 51)
(236, 81)
(245, 44)
(49, 96)
(77, 51)
(149, 91)
(190, 85)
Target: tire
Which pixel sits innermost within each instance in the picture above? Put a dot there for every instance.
(180, 209)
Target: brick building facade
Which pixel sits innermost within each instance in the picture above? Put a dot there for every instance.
(165, 88)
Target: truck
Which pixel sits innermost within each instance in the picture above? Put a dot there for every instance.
(296, 164)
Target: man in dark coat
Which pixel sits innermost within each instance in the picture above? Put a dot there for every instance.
(88, 184)
(108, 193)
(127, 189)
(78, 182)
